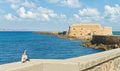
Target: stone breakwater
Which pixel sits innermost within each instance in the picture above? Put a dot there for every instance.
(104, 42)
(63, 34)
(103, 61)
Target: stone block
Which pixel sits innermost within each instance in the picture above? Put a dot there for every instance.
(60, 67)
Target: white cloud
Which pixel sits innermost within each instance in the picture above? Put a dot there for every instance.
(45, 13)
(9, 16)
(23, 14)
(76, 16)
(45, 16)
(45, 10)
(89, 12)
(14, 6)
(28, 4)
(112, 12)
(110, 15)
(40, 13)
(26, 9)
(14, 1)
(30, 14)
(86, 15)
(69, 3)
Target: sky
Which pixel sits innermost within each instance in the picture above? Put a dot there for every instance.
(57, 15)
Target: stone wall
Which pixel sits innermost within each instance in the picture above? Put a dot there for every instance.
(103, 61)
(98, 39)
(85, 31)
(107, 31)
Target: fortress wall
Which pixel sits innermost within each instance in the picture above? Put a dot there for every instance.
(103, 61)
(98, 39)
(85, 31)
(107, 31)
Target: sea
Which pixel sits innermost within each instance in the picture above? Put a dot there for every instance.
(40, 46)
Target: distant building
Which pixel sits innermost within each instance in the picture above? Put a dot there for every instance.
(85, 31)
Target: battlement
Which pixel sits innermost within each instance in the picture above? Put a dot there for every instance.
(86, 25)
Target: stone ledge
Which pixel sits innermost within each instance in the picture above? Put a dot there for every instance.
(72, 64)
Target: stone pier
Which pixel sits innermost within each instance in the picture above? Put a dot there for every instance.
(103, 61)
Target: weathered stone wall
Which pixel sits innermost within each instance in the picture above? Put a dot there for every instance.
(110, 65)
(107, 31)
(98, 39)
(103, 61)
(85, 31)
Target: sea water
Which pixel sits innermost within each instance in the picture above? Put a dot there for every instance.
(39, 46)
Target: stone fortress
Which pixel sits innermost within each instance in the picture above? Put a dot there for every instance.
(86, 31)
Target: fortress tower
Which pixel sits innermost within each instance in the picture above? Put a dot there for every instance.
(85, 31)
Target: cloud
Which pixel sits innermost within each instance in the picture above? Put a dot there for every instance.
(76, 16)
(40, 13)
(88, 12)
(23, 14)
(110, 15)
(112, 12)
(14, 6)
(45, 16)
(50, 12)
(86, 15)
(68, 3)
(9, 16)
(71, 3)
(28, 4)
(45, 13)
(26, 9)
(13, 1)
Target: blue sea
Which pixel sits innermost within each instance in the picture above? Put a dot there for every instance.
(39, 46)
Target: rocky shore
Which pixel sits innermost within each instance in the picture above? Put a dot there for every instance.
(103, 42)
(100, 46)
